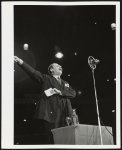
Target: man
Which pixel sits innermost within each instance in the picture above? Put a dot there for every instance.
(54, 105)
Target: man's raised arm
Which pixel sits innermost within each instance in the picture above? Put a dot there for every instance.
(38, 76)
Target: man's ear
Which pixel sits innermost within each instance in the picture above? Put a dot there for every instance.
(51, 71)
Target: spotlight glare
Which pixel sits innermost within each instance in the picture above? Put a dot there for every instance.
(25, 46)
(75, 53)
(113, 26)
(59, 55)
(24, 120)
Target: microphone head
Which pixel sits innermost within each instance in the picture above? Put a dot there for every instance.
(97, 61)
(92, 62)
(90, 58)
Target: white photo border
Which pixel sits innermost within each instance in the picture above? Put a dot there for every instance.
(7, 107)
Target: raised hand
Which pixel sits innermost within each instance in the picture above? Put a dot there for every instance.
(18, 60)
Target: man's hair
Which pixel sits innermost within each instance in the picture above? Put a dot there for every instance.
(49, 68)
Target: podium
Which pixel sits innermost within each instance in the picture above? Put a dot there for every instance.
(82, 135)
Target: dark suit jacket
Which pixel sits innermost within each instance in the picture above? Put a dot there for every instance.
(52, 108)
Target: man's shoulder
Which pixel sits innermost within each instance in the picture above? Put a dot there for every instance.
(49, 76)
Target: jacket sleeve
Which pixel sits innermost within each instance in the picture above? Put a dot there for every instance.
(34, 74)
(68, 92)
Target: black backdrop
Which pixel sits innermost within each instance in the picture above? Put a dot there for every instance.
(79, 32)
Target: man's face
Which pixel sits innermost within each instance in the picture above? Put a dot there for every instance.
(56, 69)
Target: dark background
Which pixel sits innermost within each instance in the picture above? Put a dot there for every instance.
(79, 32)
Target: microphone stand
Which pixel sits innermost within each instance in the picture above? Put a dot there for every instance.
(93, 67)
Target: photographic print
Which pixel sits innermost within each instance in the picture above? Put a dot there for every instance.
(60, 75)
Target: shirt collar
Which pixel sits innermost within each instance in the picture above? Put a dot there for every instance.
(57, 77)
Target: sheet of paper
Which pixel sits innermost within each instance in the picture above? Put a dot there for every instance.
(49, 92)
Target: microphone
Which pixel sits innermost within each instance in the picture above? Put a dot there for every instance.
(93, 62)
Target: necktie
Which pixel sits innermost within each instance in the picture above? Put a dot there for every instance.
(59, 80)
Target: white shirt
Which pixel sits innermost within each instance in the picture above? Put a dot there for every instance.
(57, 77)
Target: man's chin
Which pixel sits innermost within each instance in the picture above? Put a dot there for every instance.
(60, 73)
